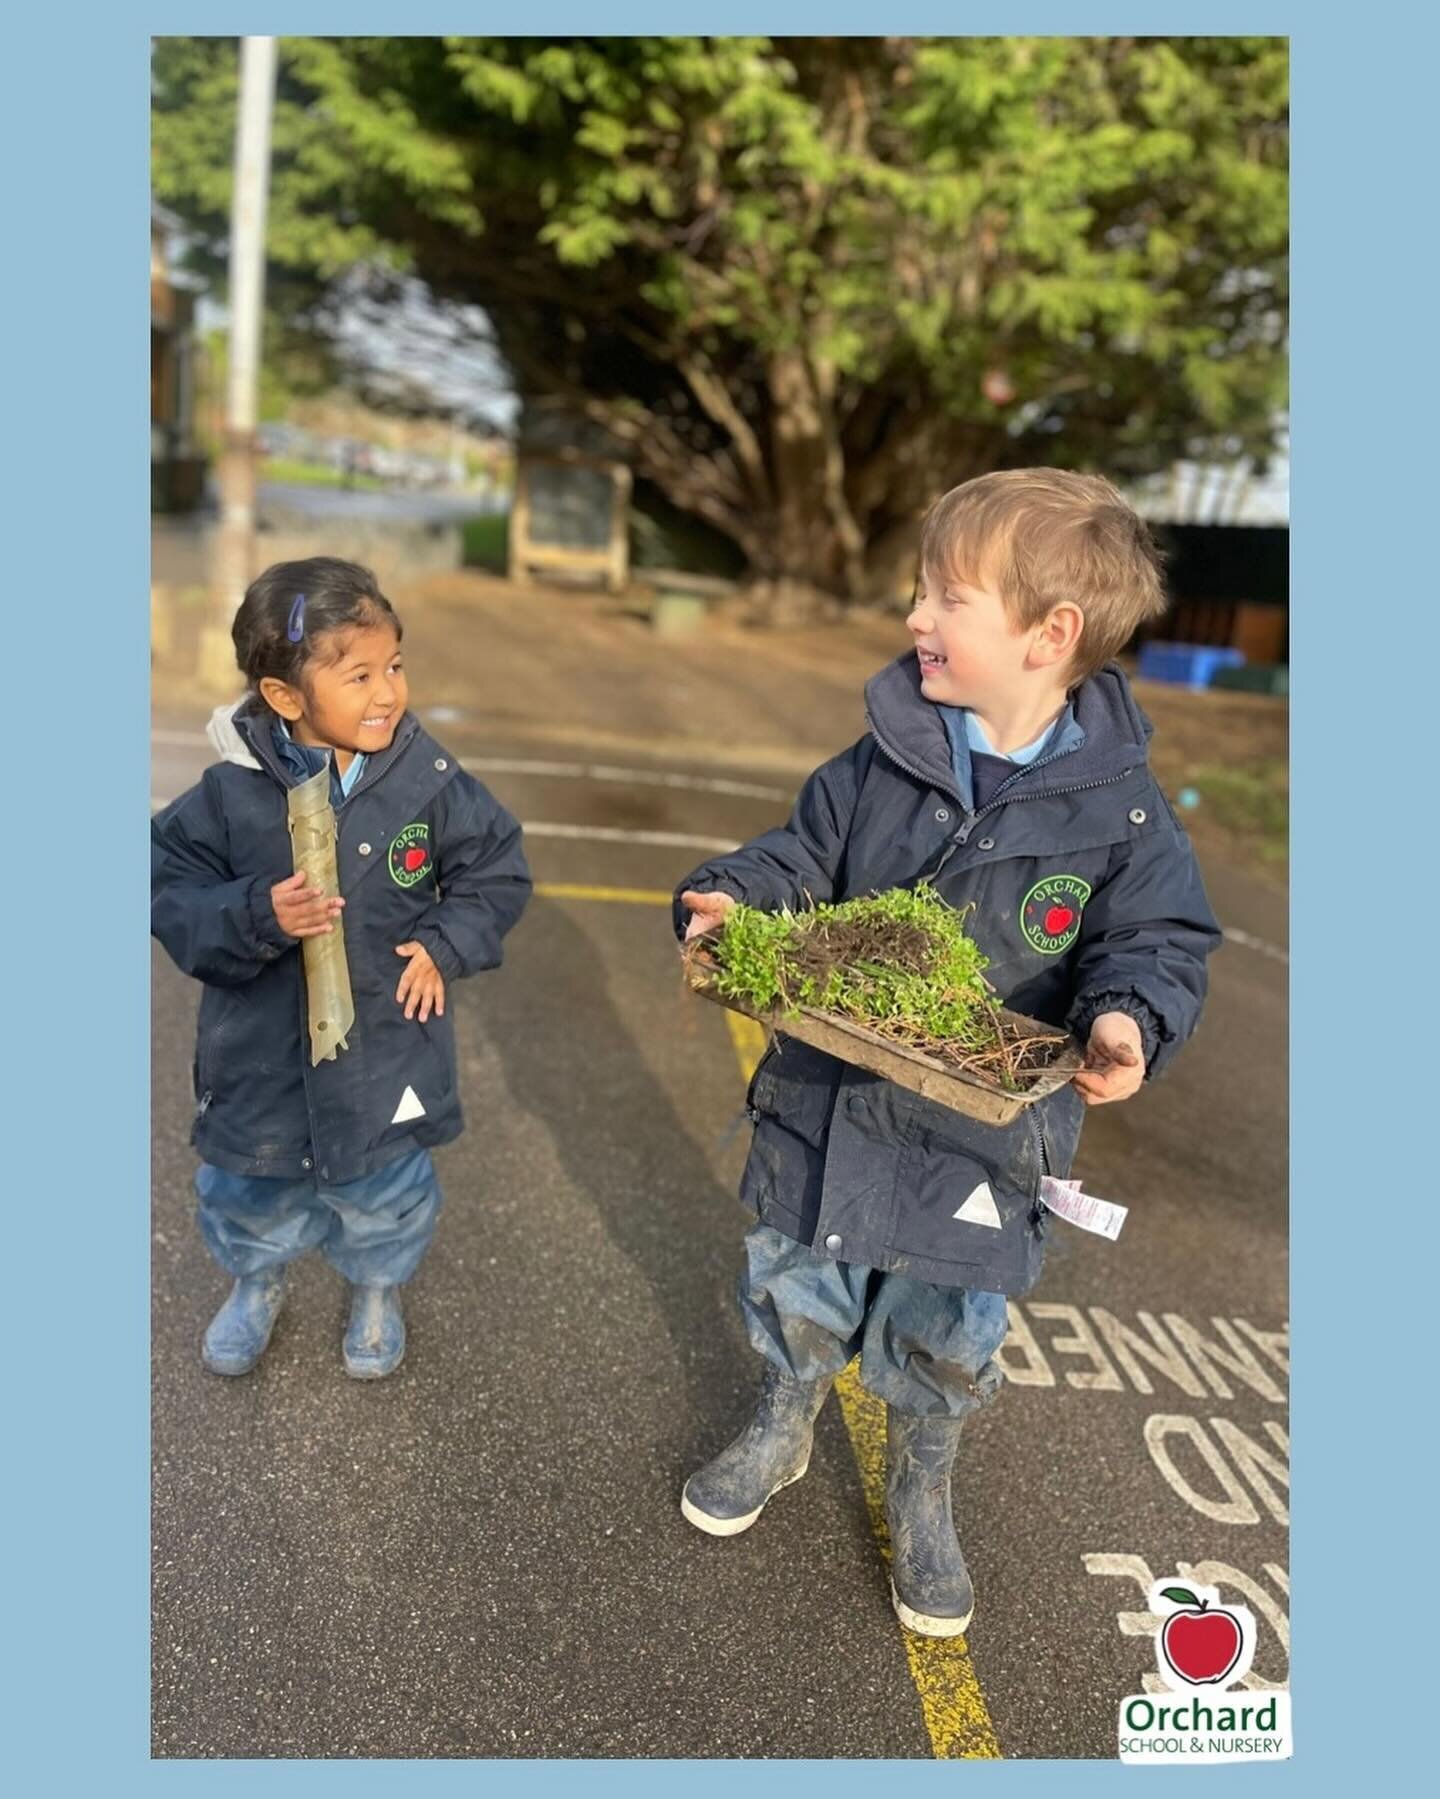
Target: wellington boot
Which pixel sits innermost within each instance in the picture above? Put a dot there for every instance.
(929, 1582)
(729, 1493)
(241, 1329)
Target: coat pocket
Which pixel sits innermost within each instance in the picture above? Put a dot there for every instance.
(214, 1036)
(796, 1086)
(972, 1198)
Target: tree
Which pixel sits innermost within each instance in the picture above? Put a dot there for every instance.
(809, 282)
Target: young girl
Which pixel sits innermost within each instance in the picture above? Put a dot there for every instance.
(333, 1156)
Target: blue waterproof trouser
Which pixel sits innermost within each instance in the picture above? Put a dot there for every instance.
(923, 1349)
(373, 1230)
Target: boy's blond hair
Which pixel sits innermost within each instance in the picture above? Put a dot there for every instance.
(1037, 536)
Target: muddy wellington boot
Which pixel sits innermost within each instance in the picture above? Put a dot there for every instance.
(375, 1336)
(728, 1494)
(929, 1582)
(240, 1330)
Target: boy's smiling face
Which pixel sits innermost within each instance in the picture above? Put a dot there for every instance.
(970, 650)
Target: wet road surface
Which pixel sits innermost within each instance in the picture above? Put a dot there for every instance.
(484, 1554)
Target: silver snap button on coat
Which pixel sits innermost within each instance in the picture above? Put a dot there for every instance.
(942, 817)
(1137, 816)
(986, 843)
(305, 1162)
(833, 1243)
(441, 763)
(364, 849)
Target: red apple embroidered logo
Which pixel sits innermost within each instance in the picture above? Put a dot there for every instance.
(1050, 913)
(1200, 1642)
(409, 856)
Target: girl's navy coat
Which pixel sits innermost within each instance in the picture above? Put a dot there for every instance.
(868, 1172)
(216, 852)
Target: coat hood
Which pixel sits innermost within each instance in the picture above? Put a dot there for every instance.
(240, 733)
(910, 729)
(225, 740)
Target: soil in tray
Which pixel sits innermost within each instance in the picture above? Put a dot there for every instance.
(898, 965)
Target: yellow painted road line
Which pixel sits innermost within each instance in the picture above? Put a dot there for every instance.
(956, 1714)
(954, 1708)
(749, 1040)
(625, 896)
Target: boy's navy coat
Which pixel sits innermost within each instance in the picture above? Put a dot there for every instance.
(216, 852)
(868, 1172)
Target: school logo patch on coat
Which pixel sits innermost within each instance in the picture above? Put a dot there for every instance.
(410, 859)
(1050, 913)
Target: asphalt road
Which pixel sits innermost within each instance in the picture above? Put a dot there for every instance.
(484, 1554)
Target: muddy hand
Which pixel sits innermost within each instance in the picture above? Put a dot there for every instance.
(707, 911)
(1114, 1060)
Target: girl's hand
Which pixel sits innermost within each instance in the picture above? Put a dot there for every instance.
(302, 910)
(706, 911)
(421, 984)
(1114, 1060)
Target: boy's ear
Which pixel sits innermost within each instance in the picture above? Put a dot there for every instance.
(1058, 635)
(281, 698)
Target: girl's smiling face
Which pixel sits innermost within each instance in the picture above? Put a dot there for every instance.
(350, 703)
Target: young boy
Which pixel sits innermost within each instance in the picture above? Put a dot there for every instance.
(1005, 762)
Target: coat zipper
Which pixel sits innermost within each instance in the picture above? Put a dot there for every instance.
(963, 834)
(1039, 1140)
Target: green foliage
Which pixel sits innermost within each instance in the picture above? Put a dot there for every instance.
(315, 474)
(485, 542)
(782, 267)
(1253, 802)
(899, 960)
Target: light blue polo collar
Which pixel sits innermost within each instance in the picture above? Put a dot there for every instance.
(967, 738)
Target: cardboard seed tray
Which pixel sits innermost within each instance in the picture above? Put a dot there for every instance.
(972, 1094)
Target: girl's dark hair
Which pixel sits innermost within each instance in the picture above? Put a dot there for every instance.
(275, 635)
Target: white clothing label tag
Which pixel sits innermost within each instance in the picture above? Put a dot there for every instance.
(980, 1208)
(408, 1108)
(1066, 1201)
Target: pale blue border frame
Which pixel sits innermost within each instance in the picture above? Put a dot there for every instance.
(75, 129)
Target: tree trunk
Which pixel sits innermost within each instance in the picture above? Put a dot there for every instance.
(815, 539)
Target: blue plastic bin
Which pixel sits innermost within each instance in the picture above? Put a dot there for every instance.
(1186, 664)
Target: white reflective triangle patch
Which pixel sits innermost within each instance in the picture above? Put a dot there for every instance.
(409, 1107)
(980, 1208)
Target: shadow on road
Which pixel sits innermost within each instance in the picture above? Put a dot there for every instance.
(627, 1153)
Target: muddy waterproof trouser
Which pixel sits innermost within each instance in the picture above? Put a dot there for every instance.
(373, 1230)
(923, 1349)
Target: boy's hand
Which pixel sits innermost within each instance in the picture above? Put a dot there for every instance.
(421, 984)
(706, 911)
(1114, 1060)
(302, 910)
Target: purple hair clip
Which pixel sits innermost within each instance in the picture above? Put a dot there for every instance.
(295, 630)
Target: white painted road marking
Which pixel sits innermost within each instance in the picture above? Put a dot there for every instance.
(1258, 944)
(569, 771)
(643, 777)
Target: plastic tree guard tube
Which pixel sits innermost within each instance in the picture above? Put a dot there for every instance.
(327, 974)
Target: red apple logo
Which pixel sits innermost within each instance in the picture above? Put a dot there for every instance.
(414, 858)
(1201, 1642)
(1058, 919)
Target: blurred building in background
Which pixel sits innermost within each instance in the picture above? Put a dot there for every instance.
(177, 467)
(1225, 531)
